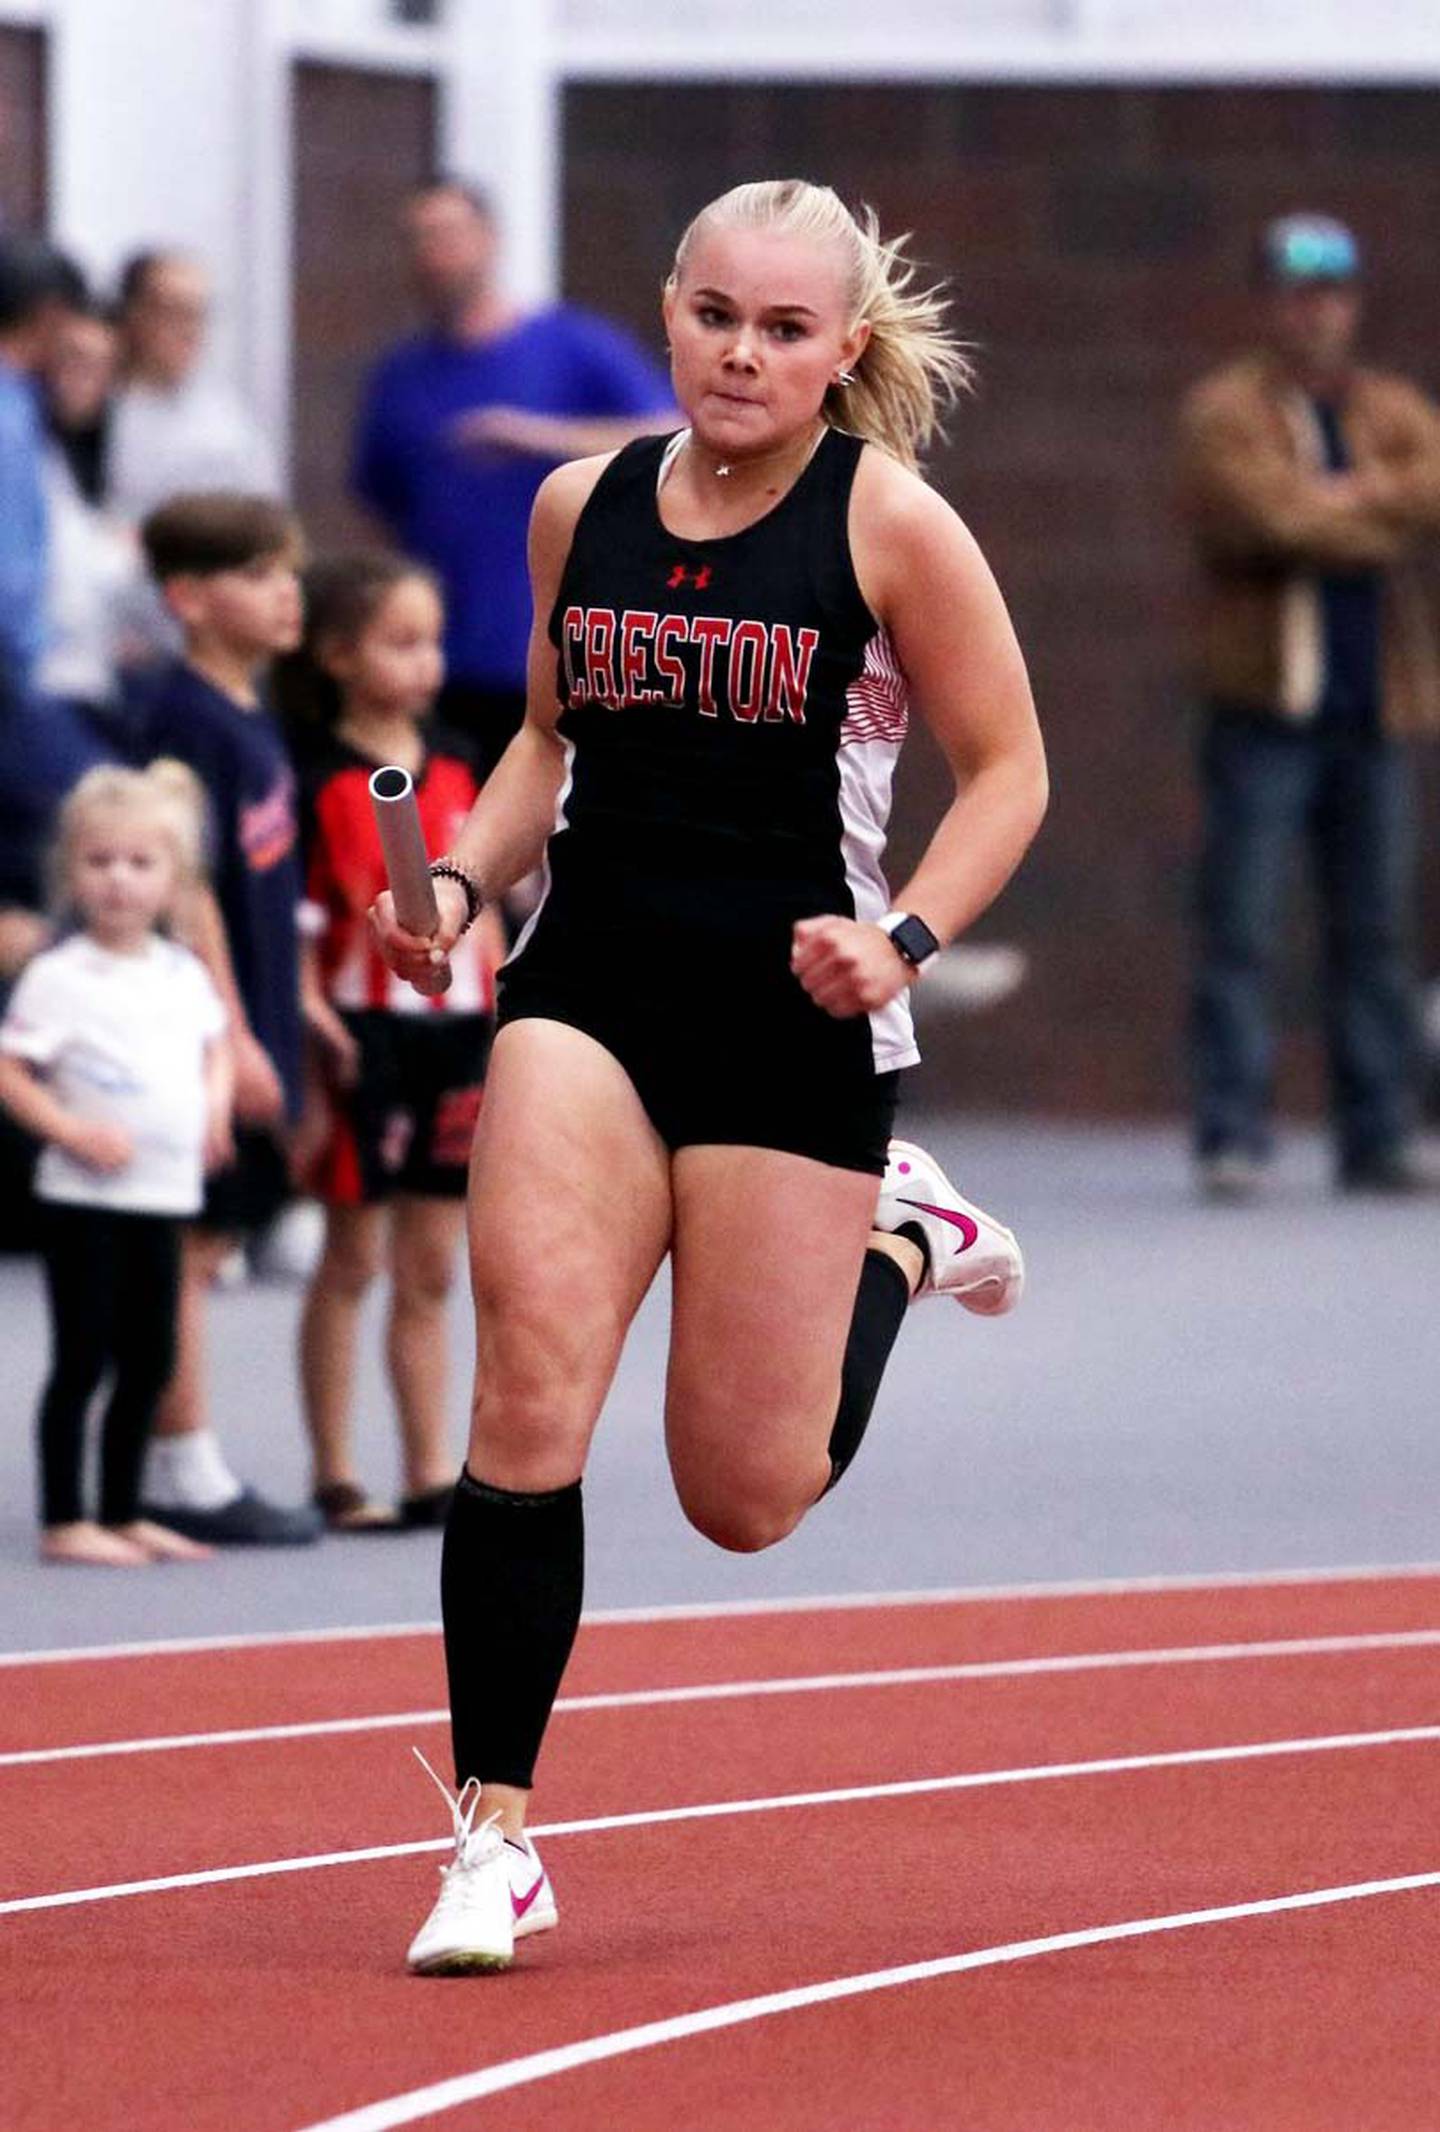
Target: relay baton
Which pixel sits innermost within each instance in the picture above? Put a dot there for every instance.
(407, 863)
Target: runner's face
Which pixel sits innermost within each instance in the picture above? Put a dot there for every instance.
(758, 328)
(396, 664)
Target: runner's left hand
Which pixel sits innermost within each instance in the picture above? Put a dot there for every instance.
(847, 967)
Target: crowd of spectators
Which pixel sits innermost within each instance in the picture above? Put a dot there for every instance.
(150, 575)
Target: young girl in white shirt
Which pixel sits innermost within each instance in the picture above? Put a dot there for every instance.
(114, 1053)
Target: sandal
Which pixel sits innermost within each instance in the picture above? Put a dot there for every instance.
(346, 1507)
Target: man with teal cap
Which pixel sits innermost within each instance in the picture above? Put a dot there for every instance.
(1311, 491)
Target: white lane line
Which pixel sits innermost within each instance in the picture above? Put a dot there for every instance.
(735, 1690)
(450, 2094)
(237, 1736)
(725, 1809)
(256, 1640)
(801, 1603)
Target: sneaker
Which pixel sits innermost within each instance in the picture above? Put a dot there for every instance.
(1392, 1172)
(532, 1899)
(472, 1925)
(1229, 1175)
(968, 1254)
(291, 1248)
(248, 1521)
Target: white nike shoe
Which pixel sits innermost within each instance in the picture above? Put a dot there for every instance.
(532, 1899)
(968, 1254)
(472, 1925)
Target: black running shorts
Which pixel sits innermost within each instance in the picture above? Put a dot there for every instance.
(722, 1049)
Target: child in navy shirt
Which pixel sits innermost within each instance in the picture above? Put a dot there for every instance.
(228, 568)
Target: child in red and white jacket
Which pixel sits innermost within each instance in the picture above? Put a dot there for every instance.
(400, 1077)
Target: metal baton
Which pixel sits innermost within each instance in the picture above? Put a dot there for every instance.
(407, 863)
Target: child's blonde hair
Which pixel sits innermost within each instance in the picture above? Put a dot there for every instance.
(912, 366)
(167, 794)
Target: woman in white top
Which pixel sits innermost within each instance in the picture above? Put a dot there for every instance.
(113, 1052)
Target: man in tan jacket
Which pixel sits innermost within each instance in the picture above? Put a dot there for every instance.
(1311, 488)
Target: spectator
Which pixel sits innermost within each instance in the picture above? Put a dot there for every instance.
(42, 749)
(460, 426)
(94, 567)
(80, 377)
(1310, 485)
(35, 288)
(174, 428)
(227, 565)
(113, 1054)
(402, 1076)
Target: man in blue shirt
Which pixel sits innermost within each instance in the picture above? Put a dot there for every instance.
(29, 295)
(461, 424)
(43, 747)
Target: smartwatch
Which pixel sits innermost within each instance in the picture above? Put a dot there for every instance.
(910, 937)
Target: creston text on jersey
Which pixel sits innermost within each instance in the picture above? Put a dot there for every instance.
(706, 662)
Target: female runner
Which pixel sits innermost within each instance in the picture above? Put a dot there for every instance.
(702, 1026)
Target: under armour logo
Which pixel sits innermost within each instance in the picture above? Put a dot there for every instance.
(680, 575)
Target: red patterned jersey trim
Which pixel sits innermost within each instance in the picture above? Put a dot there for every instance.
(877, 701)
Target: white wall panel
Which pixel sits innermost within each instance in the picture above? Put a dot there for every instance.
(148, 136)
(1045, 39)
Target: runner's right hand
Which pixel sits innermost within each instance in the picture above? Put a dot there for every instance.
(410, 955)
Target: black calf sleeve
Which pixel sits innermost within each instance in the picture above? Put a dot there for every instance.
(881, 1301)
(511, 1575)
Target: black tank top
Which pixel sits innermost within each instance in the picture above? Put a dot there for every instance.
(732, 712)
(707, 684)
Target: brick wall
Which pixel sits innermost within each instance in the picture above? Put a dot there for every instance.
(361, 140)
(1097, 239)
(22, 128)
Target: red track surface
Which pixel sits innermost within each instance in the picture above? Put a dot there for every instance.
(276, 2002)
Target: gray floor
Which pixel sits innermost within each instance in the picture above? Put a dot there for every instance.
(1185, 1389)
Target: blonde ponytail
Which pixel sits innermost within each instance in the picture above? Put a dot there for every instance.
(912, 367)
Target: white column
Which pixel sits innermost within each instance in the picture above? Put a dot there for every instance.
(265, 211)
(150, 144)
(500, 125)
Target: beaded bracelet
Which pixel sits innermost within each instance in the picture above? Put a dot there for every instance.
(452, 870)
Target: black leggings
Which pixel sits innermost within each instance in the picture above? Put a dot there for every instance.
(114, 1283)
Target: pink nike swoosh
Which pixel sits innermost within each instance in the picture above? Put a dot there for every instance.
(521, 1903)
(968, 1229)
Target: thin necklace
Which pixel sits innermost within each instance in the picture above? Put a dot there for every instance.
(723, 473)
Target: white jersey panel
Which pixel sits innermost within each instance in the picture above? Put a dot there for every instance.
(876, 718)
(558, 826)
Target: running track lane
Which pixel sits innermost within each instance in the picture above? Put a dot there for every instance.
(53, 1702)
(271, 2005)
(233, 1962)
(1055, 2040)
(171, 1812)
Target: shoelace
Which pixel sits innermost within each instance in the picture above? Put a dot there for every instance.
(463, 1806)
